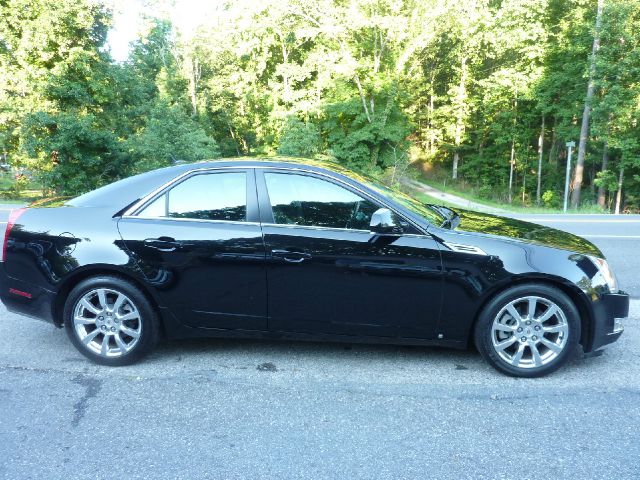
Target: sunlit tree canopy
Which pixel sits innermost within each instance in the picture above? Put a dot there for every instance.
(482, 93)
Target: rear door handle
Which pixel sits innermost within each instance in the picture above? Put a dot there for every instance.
(164, 244)
(291, 256)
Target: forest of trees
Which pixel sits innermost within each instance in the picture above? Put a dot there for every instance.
(484, 92)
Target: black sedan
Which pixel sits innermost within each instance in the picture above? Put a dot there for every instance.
(307, 251)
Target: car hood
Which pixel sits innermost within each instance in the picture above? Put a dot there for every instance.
(524, 231)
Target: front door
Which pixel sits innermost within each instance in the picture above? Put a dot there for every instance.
(200, 245)
(327, 273)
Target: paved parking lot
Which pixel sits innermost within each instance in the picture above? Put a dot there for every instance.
(246, 409)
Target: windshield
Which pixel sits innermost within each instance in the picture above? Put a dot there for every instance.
(408, 202)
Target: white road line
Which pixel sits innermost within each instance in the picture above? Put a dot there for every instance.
(591, 220)
(609, 236)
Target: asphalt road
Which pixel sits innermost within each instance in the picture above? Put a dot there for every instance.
(243, 409)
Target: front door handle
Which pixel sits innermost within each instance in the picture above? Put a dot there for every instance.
(291, 256)
(164, 244)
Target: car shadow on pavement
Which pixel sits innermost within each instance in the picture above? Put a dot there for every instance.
(323, 362)
(382, 363)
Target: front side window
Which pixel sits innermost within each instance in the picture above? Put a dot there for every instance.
(214, 196)
(305, 200)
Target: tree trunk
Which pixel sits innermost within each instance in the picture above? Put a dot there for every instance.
(233, 136)
(619, 194)
(540, 155)
(194, 78)
(391, 99)
(285, 74)
(432, 132)
(460, 98)
(512, 162)
(605, 164)
(362, 97)
(456, 160)
(553, 149)
(584, 129)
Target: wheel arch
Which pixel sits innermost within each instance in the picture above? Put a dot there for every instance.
(575, 294)
(81, 274)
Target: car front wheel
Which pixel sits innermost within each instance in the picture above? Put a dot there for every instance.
(110, 321)
(528, 330)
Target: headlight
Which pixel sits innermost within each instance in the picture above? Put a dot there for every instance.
(604, 270)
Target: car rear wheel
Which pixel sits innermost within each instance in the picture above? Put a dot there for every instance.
(528, 331)
(110, 321)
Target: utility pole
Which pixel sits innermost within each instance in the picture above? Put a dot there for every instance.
(570, 146)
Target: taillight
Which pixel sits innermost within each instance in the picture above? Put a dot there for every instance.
(13, 217)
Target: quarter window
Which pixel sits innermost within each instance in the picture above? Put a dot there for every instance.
(305, 200)
(215, 196)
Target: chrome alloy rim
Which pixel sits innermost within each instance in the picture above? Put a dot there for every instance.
(529, 332)
(107, 322)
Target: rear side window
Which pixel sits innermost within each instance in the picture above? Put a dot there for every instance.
(214, 196)
(304, 200)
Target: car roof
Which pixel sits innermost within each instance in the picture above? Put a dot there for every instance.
(130, 189)
(272, 161)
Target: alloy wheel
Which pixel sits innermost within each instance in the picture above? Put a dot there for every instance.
(529, 332)
(107, 322)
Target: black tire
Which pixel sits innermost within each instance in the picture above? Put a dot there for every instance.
(135, 304)
(489, 341)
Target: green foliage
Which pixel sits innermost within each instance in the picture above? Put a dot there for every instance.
(300, 139)
(550, 199)
(80, 154)
(169, 135)
(607, 180)
(12, 187)
(376, 84)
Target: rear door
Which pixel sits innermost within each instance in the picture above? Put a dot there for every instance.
(199, 243)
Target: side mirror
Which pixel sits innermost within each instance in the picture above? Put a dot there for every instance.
(382, 222)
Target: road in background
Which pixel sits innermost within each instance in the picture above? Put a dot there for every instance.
(617, 236)
(5, 209)
(451, 198)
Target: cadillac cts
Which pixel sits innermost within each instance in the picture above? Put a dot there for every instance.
(307, 251)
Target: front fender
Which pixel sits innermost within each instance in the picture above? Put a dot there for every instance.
(471, 279)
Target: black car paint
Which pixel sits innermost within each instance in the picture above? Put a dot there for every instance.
(258, 279)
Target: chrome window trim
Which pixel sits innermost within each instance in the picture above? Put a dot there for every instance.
(199, 220)
(350, 187)
(369, 232)
(131, 211)
(314, 227)
(274, 225)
